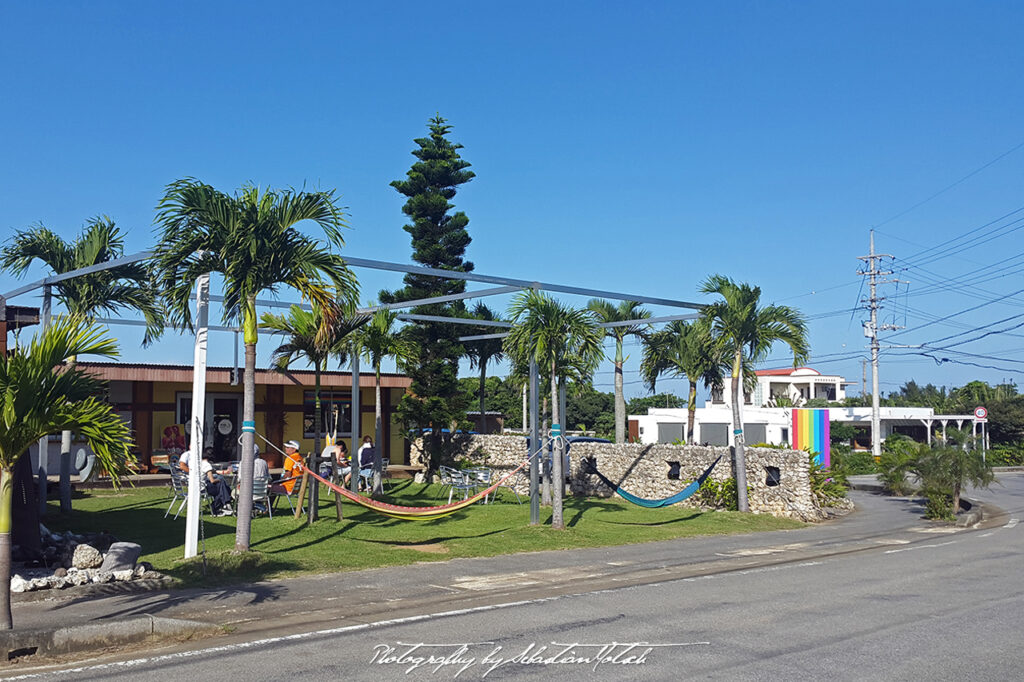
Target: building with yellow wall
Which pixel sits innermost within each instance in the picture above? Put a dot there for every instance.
(156, 400)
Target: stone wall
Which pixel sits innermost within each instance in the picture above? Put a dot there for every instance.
(643, 470)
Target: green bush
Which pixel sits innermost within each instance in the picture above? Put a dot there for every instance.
(852, 463)
(826, 485)
(938, 503)
(899, 458)
(1006, 455)
(719, 495)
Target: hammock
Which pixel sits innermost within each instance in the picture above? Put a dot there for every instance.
(591, 466)
(414, 513)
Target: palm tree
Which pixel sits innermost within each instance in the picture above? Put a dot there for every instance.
(484, 351)
(377, 341)
(686, 350)
(560, 339)
(107, 291)
(623, 312)
(748, 332)
(305, 341)
(249, 238)
(39, 397)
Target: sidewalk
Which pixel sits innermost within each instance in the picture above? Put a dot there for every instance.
(314, 602)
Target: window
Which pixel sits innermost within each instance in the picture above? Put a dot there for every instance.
(330, 404)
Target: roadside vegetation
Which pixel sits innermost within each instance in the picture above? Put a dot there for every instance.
(284, 546)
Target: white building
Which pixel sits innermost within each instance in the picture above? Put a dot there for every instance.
(713, 424)
(792, 386)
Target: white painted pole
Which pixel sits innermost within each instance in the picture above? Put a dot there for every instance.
(195, 455)
(44, 442)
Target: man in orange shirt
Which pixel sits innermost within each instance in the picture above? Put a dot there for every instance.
(292, 457)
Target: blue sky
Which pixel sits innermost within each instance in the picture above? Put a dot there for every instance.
(636, 147)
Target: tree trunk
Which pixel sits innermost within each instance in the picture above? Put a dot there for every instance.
(737, 429)
(545, 470)
(243, 522)
(6, 495)
(314, 457)
(557, 470)
(65, 461)
(956, 498)
(691, 412)
(483, 387)
(620, 400)
(378, 435)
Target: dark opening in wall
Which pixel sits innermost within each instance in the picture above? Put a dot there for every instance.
(673, 471)
(773, 476)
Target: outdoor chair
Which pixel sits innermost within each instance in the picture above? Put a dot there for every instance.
(445, 474)
(366, 475)
(277, 489)
(261, 495)
(480, 477)
(461, 481)
(512, 483)
(179, 491)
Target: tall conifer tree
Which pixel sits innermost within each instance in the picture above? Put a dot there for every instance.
(439, 240)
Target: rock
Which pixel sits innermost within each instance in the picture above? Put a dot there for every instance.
(80, 578)
(45, 532)
(86, 556)
(419, 477)
(19, 584)
(140, 571)
(121, 557)
(123, 576)
(61, 572)
(103, 577)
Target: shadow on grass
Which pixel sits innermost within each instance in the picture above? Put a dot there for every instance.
(435, 540)
(666, 522)
(584, 505)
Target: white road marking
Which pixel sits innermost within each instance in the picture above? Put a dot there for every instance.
(985, 535)
(911, 549)
(936, 529)
(1011, 523)
(892, 541)
(762, 551)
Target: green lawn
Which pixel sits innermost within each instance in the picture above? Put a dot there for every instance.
(283, 546)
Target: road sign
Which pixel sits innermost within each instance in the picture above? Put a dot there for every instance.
(980, 412)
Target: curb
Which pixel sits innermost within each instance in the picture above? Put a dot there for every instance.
(92, 637)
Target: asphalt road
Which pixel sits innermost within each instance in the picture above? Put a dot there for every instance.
(920, 603)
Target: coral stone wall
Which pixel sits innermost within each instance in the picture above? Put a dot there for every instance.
(643, 470)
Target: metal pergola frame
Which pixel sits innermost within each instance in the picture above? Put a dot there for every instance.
(505, 285)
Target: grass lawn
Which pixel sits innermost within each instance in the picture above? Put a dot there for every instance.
(284, 546)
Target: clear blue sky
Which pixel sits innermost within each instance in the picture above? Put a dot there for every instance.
(627, 146)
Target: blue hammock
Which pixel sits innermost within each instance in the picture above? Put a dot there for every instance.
(591, 467)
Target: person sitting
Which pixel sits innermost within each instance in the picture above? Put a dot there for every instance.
(291, 459)
(367, 453)
(260, 472)
(216, 488)
(183, 462)
(340, 454)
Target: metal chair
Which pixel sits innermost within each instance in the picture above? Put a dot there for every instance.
(277, 489)
(461, 481)
(447, 480)
(179, 491)
(481, 478)
(511, 485)
(261, 494)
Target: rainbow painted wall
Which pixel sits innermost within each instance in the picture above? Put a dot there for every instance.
(811, 432)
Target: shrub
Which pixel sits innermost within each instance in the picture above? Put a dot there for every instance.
(852, 463)
(899, 458)
(1006, 455)
(826, 485)
(718, 495)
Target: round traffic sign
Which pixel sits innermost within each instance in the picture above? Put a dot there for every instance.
(980, 412)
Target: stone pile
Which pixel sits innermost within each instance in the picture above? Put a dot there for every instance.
(72, 559)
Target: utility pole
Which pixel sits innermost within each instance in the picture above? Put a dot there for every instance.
(871, 328)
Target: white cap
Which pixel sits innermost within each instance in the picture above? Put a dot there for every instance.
(292, 444)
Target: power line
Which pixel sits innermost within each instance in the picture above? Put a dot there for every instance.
(951, 186)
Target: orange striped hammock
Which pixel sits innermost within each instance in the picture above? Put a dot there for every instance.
(412, 513)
